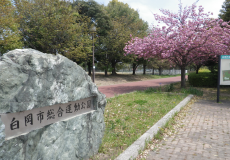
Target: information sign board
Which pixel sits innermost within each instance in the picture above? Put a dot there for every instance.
(225, 70)
(21, 123)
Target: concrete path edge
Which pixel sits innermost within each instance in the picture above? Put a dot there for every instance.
(133, 151)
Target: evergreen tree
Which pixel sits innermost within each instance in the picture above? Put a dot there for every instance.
(98, 18)
(54, 26)
(225, 11)
(125, 22)
(9, 33)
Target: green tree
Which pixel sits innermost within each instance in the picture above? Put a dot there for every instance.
(114, 23)
(54, 26)
(128, 17)
(9, 33)
(125, 22)
(111, 48)
(98, 17)
(225, 11)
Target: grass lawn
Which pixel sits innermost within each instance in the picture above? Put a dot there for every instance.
(128, 116)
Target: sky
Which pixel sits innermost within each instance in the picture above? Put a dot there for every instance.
(147, 8)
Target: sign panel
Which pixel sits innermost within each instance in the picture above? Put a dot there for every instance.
(21, 123)
(225, 70)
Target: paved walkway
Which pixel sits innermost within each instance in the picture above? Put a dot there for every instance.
(205, 135)
(113, 90)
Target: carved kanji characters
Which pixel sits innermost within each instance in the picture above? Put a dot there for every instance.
(29, 119)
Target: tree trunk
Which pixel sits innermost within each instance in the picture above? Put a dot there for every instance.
(85, 65)
(160, 70)
(134, 68)
(106, 65)
(89, 68)
(153, 72)
(106, 69)
(144, 68)
(197, 68)
(182, 77)
(114, 68)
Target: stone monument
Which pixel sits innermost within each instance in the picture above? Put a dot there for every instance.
(40, 88)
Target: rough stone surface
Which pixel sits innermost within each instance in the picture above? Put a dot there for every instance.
(32, 79)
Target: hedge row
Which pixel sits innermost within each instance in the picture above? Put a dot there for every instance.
(203, 79)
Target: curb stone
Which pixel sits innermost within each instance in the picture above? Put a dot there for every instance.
(133, 151)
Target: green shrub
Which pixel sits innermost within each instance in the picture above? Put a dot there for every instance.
(150, 90)
(193, 91)
(169, 88)
(204, 69)
(203, 79)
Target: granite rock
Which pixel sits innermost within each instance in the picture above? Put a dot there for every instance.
(32, 79)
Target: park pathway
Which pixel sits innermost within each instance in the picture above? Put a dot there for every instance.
(205, 135)
(117, 89)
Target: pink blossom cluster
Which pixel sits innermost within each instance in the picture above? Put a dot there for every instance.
(189, 36)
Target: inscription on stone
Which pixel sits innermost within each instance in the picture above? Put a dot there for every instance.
(21, 123)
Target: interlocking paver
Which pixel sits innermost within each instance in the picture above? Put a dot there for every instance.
(205, 135)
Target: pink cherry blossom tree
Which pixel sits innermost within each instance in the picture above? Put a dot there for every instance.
(188, 37)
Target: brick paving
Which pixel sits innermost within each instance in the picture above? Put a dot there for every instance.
(205, 135)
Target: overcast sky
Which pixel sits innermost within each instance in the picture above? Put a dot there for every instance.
(147, 8)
